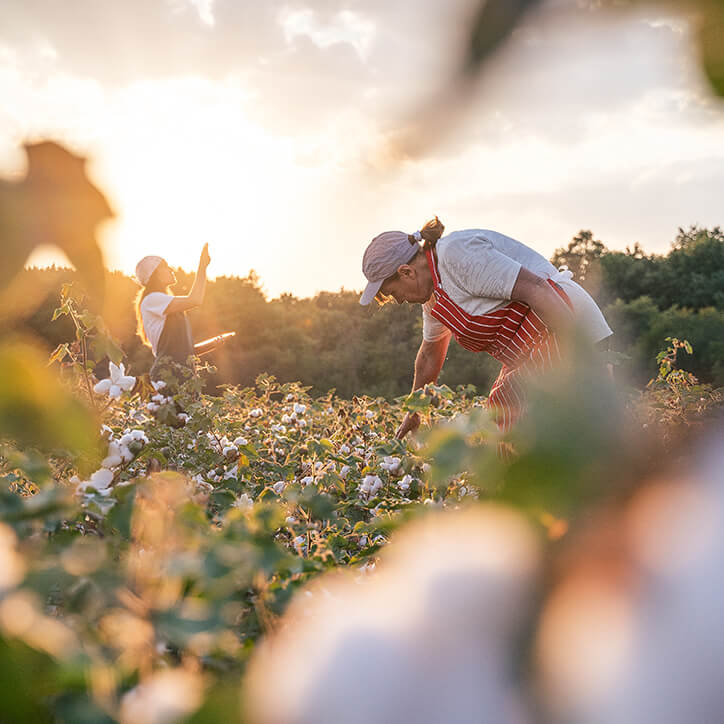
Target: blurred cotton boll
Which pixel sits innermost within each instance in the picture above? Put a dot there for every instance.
(163, 698)
(633, 633)
(429, 637)
(12, 567)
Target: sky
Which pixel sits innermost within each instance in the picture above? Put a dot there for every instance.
(288, 134)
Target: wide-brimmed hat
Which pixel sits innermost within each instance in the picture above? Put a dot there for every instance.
(146, 267)
(382, 257)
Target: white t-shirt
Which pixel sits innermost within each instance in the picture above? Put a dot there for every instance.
(153, 313)
(478, 269)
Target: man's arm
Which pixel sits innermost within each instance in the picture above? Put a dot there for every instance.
(540, 296)
(428, 363)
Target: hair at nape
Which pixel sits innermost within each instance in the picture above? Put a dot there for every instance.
(430, 232)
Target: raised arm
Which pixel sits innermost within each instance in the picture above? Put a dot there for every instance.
(198, 289)
(540, 296)
(428, 363)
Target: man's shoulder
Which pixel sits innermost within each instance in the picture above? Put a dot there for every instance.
(462, 243)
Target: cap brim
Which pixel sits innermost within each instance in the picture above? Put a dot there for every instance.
(370, 292)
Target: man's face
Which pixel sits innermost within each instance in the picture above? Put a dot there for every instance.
(407, 284)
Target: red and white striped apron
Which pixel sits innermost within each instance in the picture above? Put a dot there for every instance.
(514, 335)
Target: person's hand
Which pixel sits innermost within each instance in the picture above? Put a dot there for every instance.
(411, 422)
(205, 259)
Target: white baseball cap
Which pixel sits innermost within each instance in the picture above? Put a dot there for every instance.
(384, 254)
(146, 267)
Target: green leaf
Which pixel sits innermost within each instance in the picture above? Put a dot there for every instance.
(35, 410)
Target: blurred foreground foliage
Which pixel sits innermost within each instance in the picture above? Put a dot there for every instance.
(138, 592)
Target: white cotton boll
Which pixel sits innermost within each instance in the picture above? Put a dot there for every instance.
(363, 541)
(369, 414)
(114, 391)
(256, 412)
(106, 432)
(448, 604)
(230, 451)
(290, 520)
(165, 697)
(158, 385)
(426, 467)
(152, 407)
(119, 377)
(102, 387)
(636, 635)
(231, 472)
(318, 465)
(279, 451)
(330, 410)
(391, 464)
(302, 423)
(307, 480)
(240, 441)
(293, 416)
(405, 482)
(101, 479)
(370, 485)
(286, 419)
(243, 502)
(344, 471)
(113, 459)
(289, 397)
(139, 436)
(184, 417)
(344, 450)
(278, 487)
(159, 399)
(299, 408)
(279, 428)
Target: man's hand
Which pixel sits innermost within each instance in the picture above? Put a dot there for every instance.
(205, 259)
(411, 422)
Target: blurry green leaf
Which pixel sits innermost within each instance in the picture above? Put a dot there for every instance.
(493, 23)
(59, 353)
(121, 514)
(35, 410)
(711, 42)
(416, 401)
(103, 346)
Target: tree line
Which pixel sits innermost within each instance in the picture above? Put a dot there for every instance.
(330, 341)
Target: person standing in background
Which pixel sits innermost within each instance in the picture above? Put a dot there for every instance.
(161, 318)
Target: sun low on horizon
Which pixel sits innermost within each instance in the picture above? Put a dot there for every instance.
(281, 135)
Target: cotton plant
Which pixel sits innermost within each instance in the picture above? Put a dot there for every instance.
(370, 485)
(117, 382)
(391, 464)
(120, 452)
